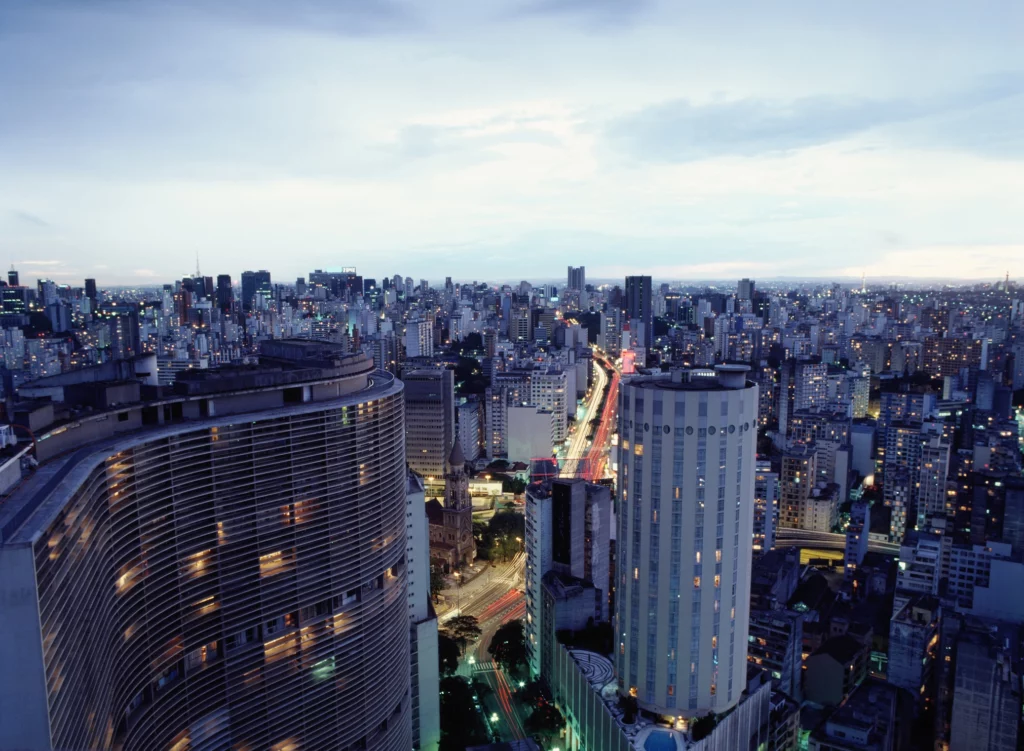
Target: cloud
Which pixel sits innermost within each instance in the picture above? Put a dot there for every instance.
(682, 131)
(969, 262)
(25, 218)
(594, 13)
(40, 263)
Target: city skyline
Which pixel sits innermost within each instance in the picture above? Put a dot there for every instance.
(795, 142)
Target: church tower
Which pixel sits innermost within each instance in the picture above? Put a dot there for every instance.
(458, 506)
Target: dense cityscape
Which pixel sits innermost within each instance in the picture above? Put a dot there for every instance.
(385, 513)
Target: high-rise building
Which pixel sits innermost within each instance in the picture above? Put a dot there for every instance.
(90, 291)
(568, 532)
(12, 278)
(426, 720)
(419, 338)
(255, 283)
(577, 278)
(225, 293)
(638, 308)
(549, 390)
(766, 508)
(799, 470)
(857, 537)
(683, 553)
(745, 289)
(932, 496)
(224, 567)
(913, 645)
(495, 422)
(429, 420)
(987, 693)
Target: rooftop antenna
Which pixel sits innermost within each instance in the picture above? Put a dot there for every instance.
(863, 285)
(197, 265)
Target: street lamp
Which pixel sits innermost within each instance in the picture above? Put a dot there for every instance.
(458, 591)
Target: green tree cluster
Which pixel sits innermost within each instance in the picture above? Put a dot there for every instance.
(461, 724)
(508, 647)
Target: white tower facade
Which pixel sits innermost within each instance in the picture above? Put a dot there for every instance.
(685, 519)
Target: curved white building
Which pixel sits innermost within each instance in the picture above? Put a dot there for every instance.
(221, 566)
(685, 519)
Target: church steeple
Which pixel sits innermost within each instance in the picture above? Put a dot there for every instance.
(456, 483)
(456, 459)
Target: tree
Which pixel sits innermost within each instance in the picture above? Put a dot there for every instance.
(461, 725)
(436, 581)
(629, 707)
(508, 647)
(508, 524)
(703, 726)
(447, 654)
(463, 629)
(545, 721)
(535, 692)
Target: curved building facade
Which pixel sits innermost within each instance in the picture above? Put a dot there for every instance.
(685, 519)
(228, 574)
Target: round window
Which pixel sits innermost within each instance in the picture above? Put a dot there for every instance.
(711, 430)
(647, 427)
(689, 430)
(667, 428)
(732, 429)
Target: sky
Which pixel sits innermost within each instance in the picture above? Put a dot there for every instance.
(506, 140)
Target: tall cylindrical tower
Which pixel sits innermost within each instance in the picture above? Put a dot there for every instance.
(685, 515)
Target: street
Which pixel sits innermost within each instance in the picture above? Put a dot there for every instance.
(577, 452)
(493, 596)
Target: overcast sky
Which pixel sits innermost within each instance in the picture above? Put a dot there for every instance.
(505, 140)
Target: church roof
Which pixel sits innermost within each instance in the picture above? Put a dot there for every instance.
(456, 459)
(435, 512)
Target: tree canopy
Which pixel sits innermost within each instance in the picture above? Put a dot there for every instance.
(461, 724)
(463, 629)
(508, 647)
(447, 654)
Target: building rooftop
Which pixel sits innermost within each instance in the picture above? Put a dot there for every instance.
(722, 378)
(843, 649)
(83, 433)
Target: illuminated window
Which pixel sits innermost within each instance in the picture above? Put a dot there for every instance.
(206, 605)
(129, 575)
(196, 565)
(718, 580)
(273, 563)
(696, 582)
(718, 556)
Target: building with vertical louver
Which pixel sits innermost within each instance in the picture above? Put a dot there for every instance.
(221, 566)
(683, 548)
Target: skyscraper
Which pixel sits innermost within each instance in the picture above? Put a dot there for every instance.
(568, 532)
(429, 420)
(638, 307)
(255, 283)
(90, 290)
(745, 289)
(686, 505)
(419, 339)
(12, 277)
(226, 567)
(225, 294)
(577, 278)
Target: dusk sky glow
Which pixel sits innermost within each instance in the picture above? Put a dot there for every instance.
(505, 140)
